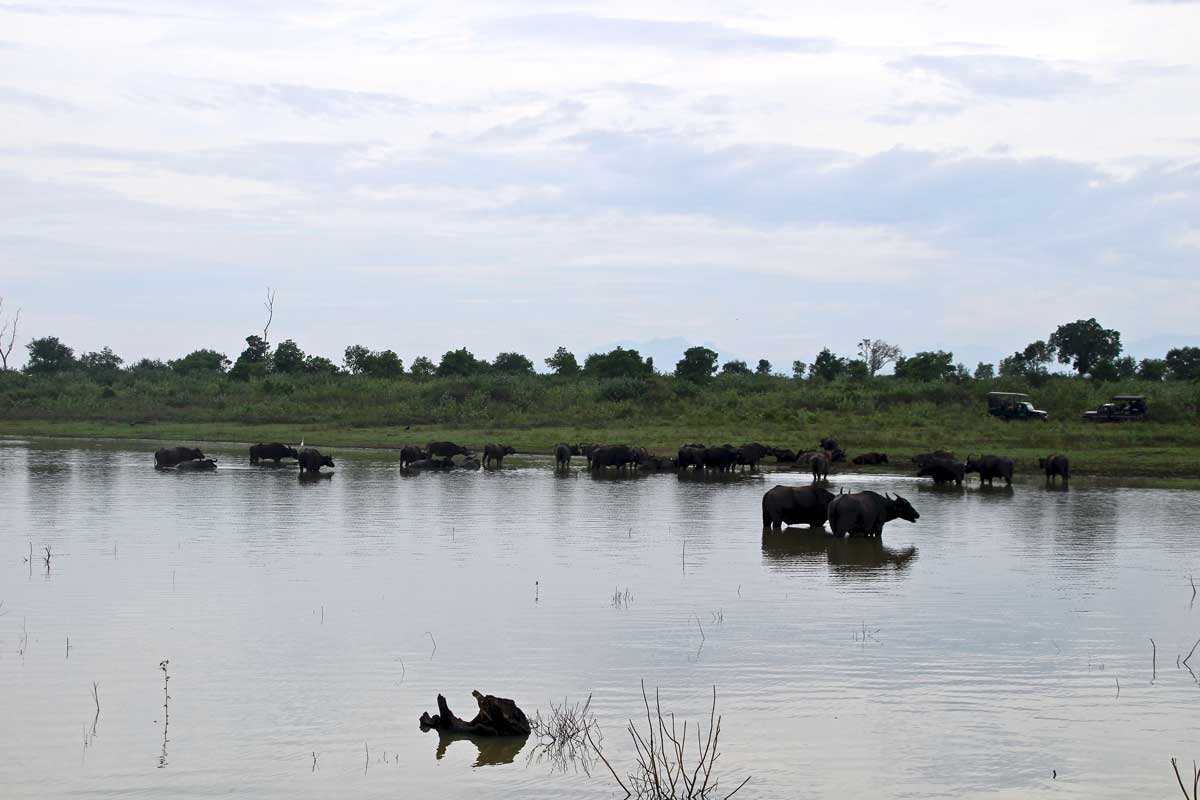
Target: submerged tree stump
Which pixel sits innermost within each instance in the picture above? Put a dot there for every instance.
(498, 716)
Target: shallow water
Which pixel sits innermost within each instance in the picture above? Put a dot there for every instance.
(973, 654)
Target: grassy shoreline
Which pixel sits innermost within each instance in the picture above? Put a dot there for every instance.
(1137, 450)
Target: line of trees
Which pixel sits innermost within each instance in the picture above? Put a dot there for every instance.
(1091, 350)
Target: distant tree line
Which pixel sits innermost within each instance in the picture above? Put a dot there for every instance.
(1092, 351)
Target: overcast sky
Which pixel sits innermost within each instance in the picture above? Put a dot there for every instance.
(770, 176)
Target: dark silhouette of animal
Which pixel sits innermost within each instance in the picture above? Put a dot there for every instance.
(990, 467)
(921, 459)
(311, 460)
(1056, 466)
(829, 444)
(411, 453)
(467, 464)
(170, 456)
(654, 463)
(274, 451)
(612, 455)
(197, 465)
(722, 458)
(447, 450)
(867, 512)
(870, 459)
(783, 455)
(496, 453)
(562, 455)
(431, 464)
(943, 470)
(795, 505)
(750, 454)
(691, 455)
(587, 449)
(819, 464)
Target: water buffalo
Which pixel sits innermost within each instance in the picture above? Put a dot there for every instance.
(783, 455)
(467, 464)
(410, 454)
(866, 513)
(562, 455)
(943, 470)
(170, 456)
(447, 450)
(431, 464)
(795, 505)
(990, 467)
(311, 460)
(496, 452)
(750, 454)
(274, 451)
(870, 459)
(691, 455)
(656, 464)
(1054, 467)
(819, 464)
(586, 451)
(611, 455)
(829, 444)
(720, 458)
(197, 465)
(921, 459)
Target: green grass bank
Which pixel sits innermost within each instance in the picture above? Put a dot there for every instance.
(533, 412)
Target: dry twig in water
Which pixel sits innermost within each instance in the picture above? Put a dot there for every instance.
(563, 737)
(1195, 780)
(665, 768)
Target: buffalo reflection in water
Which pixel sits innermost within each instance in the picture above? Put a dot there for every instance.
(855, 554)
(491, 750)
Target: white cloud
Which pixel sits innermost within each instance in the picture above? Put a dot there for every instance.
(622, 161)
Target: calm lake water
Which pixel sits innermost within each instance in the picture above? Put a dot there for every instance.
(324, 617)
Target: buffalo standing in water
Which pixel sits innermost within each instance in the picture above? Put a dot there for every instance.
(990, 467)
(921, 459)
(820, 467)
(750, 454)
(411, 454)
(170, 456)
(612, 455)
(496, 452)
(867, 512)
(792, 505)
(722, 458)
(311, 461)
(943, 470)
(783, 455)
(274, 451)
(562, 455)
(690, 455)
(1054, 467)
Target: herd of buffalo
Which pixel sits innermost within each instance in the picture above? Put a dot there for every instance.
(847, 513)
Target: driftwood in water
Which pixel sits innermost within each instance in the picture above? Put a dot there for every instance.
(497, 716)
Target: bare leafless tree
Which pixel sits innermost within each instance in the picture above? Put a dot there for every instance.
(270, 306)
(877, 354)
(8, 327)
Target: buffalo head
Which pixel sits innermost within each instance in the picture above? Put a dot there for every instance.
(903, 509)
